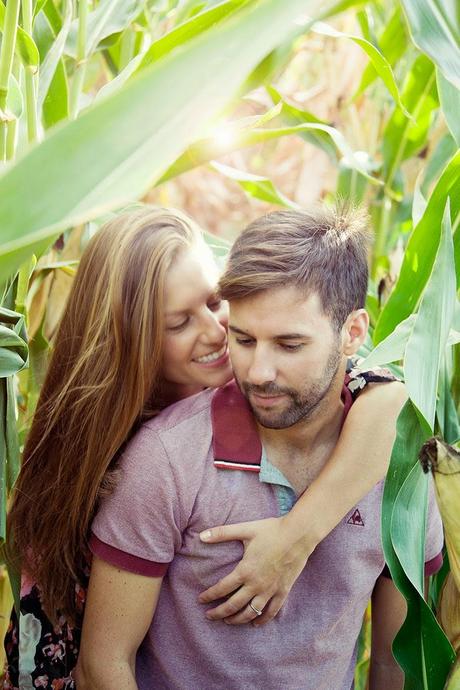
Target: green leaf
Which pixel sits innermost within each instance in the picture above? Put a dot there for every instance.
(435, 29)
(13, 345)
(295, 116)
(256, 186)
(50, 66)
(25, 46)
(421, 251)
(421, 648)
(393, 347)
(404, 136)
(428, 339)
(140, 129)
(441, 155)
(109, 17)
(392, 43)
(14, 101)
(380, 63)
(446, 412)
(191, 28)
(409, 512)
(449, 96)
(207, 149)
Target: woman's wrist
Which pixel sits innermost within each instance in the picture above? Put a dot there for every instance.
(301, 535)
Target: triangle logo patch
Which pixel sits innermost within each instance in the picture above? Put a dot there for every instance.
(356, 519)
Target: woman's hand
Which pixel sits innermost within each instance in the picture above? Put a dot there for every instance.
(274, 556)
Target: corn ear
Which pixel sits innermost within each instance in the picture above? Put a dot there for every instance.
(453, 681)
(444, 462)
(449, 611)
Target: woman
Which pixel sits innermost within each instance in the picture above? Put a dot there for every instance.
(105, 378)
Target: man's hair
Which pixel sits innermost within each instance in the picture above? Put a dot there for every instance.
(322, 250)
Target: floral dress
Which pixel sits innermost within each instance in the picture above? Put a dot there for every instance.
(40, 655)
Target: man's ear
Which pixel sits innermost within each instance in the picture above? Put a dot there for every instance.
(354, 331)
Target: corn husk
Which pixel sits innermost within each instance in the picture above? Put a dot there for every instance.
(444, 462)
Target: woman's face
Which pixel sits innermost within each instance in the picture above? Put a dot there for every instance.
(196, 320)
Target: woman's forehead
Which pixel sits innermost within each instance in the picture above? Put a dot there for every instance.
(191, 279)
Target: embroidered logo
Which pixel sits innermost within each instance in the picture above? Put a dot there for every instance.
(356, 519)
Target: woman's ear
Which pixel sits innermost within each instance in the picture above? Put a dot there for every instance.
(354, 331)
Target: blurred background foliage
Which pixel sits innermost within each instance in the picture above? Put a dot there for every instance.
(227, 110)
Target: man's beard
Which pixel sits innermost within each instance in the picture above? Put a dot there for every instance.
(301, 404)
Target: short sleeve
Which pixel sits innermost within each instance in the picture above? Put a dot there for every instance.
(139, 525)
(356, 379)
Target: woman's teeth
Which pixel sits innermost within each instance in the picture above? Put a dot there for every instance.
(213, 356)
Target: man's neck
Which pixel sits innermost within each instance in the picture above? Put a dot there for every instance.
(302, 450)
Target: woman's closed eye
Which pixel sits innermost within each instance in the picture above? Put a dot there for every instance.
(180, 326)
(215, 304)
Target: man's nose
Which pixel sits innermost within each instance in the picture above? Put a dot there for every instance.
(262, 369)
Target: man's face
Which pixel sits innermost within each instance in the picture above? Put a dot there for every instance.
(285, 353)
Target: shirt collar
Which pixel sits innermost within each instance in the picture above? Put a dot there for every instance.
(235, 441)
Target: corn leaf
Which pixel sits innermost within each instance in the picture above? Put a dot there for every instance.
(380, 63)
(13, 358)
(256, 186)
(421, 251)
(421, 648)
(207, 149)
(449, 96)
(141, 130)
(392, 43)
(295, 116)
(25, 45)
(404, 136)
(188, 30)
(109, 17)
(434, 316)
(435, 29)
(50, 65)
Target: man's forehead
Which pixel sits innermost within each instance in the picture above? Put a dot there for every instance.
(281, 311)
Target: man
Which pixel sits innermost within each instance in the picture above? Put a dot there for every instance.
(296, 283)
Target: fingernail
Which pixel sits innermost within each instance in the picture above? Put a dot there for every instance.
(204, 536)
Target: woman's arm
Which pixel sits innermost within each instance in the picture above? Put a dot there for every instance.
(276, 550)
(118, 613)
(388, 613)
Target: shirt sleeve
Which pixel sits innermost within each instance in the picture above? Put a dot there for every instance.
(139, 525)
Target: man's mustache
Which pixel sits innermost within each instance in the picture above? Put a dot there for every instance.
(267, 389)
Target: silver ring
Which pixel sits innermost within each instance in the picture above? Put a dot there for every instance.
(257, 611)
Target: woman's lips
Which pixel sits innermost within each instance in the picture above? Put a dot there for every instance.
(223, 359)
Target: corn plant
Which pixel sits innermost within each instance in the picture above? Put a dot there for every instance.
(102, 101)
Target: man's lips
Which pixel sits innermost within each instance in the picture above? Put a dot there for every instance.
(263, 400)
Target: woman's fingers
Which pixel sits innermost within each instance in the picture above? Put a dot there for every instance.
(252, 612)
(237, 532)
(232, 606)
(221, 589)
(270, 610)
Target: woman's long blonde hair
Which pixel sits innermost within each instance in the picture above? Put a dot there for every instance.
(103, 379)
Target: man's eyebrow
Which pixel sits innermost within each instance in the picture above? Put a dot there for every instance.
(234, 329)
(293, 336)
(280, 336)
